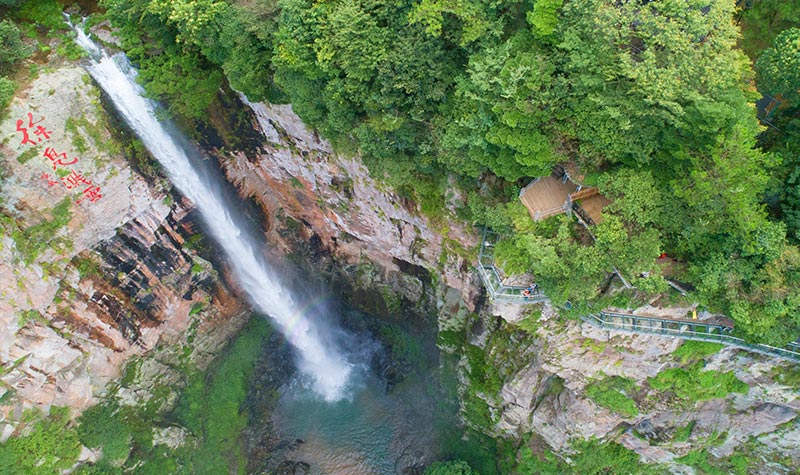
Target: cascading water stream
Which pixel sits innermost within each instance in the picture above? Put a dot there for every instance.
(318, 357)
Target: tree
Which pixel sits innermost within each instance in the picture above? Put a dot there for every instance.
(778, 67)
(498, 117)
(12, 49)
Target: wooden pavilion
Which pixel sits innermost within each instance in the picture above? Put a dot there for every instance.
(557, 193)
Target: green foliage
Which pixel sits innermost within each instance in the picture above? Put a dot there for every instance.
(42, 13)
(406, 348)
(692, 384)
(28, 154)
(613, 393)
(12, 49)
(7, 90)
(30, 242)
(763, 20)
(105, 425)
(483, 376)
(450, 468)
(210, 406)
(87, 267)
(51, 447)
(544, 17)
(683, 433)
(691, 351)
(652, 100)
(778, 67)
(172, 74)
(705, 464)
(592, 457)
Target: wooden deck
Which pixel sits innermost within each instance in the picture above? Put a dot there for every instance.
(547, 197)
(593, 206)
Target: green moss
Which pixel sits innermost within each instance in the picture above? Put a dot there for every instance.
(450, 339)
(131, 372)
(405, 348)
(788, 375)
(612, 392)
(77, 138)
(592, 457)
(705, 464)
(28, 154)
(692, 384)
(696, 350)
(210, 406)
(87, 267)
(197, 307)
(32, 241)
(483, 376)
(683, 433)
(30, 316)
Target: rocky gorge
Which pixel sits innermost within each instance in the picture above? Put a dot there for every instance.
(92, 285)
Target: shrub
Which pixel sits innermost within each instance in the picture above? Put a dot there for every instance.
(51, 447)
(611, 392)
(450, 468)
(103, 426)
(692, 384)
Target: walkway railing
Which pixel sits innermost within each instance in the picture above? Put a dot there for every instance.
(494, 283)
(688, 330)
(685, 329)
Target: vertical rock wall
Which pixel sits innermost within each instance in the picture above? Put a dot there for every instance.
(86, 284)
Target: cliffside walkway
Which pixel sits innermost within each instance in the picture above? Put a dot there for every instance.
(490, 276)
(688, 330)
(628, 322)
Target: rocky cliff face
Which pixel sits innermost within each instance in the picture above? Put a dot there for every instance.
(298, 179)
(547, 394)
(89, 276)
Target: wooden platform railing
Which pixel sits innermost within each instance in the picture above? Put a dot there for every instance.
(584, 193)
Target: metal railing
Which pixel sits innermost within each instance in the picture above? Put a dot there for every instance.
(687, 330)
(490, 276)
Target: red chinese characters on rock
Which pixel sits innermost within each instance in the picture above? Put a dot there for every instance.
(71, 181)
(93, 193)
(40, 132)
(55, 160)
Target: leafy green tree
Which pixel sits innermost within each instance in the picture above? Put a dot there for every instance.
(779, 67)
(12, 49)
(104, 426)
(499, 116)
(648, 81)
(763, 20)
(544, 16)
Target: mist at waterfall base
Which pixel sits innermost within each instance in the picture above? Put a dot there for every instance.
(317, 348)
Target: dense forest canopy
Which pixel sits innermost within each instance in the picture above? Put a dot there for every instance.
(653, 101)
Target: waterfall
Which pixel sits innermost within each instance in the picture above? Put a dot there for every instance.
(318, 357)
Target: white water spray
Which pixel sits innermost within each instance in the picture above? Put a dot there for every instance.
(318, 357)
